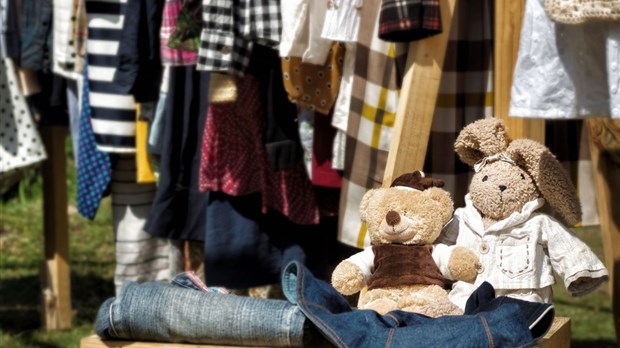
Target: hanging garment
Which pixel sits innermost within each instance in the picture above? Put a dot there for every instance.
(20, 143)
(314, 86)
(340, 115)
(302, 23)
(566, 71)
(179, 206)
(465, 94)
(378, 68)
(173, 56)
(280, 134)
(73, 109)
(234, 159)
(139, 256)
(569, 140)
(10, 42)
(144, 167)
(138, 69)
(94, 169)
(322, 172)
(230, 29)
(113, 112)
(64, 49)
(409, 20)
(246, 247)
(35, 27)
(342, 20)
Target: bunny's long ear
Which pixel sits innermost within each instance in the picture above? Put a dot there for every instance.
(481, 139)
(550, 177)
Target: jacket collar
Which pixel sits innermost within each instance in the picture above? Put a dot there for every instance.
(473, 218)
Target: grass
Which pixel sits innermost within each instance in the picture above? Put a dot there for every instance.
(92, 268)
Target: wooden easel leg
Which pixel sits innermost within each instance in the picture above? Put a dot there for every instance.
(605, 153)
(56, 311)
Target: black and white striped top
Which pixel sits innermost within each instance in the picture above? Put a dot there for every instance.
(113, 112)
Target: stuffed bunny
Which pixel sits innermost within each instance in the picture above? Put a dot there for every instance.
(519, 246)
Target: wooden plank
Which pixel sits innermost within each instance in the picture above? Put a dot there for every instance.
(605, 154)
(559, 334)
(418, 97)
(508, 19)
(56, 300)
(95, 342)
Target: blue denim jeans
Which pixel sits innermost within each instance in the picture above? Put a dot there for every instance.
(504, 326)
(182, 312)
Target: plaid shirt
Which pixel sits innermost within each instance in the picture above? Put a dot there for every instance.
(374, 101)
(465, 94)
(231, 27)
(408, 20)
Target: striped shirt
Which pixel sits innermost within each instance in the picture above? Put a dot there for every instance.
(113, 113)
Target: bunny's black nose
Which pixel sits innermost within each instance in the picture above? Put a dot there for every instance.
(502, 188)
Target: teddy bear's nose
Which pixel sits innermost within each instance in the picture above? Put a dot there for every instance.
(502, 188)
(392, 218)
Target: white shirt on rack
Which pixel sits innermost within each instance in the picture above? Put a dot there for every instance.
(566, 71)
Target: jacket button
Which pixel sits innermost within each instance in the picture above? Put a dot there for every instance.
(484, 248)
(225, 50)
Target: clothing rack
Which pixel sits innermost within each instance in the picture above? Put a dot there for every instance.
(407, 152)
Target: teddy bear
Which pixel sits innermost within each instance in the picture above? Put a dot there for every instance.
(400, 269)
(507, 219)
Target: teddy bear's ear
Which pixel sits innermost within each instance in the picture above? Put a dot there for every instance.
(550, 177)
(481, 139)
(368, 196)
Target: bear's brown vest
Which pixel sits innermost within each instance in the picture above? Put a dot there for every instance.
(399, 265)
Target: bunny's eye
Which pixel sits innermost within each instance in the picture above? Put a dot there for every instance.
(522, 176)
(485, 178)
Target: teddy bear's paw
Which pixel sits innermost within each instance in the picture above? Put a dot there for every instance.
(464, 264)
(381, 305)
(347, 278)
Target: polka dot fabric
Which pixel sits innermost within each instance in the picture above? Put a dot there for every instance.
(314, 86)
(234, 160)
(20, 143)
(94, 170)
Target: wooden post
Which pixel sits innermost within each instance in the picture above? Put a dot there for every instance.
(508, 19)
(605, 152)
(417, 101)
(56, 311)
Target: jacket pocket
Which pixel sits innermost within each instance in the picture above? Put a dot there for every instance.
(516, 255)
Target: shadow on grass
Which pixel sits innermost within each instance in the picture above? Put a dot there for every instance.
(20, 300)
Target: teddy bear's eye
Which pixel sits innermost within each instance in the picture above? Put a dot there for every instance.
(485, 178)
(522, 176)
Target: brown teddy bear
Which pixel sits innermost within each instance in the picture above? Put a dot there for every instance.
(401, 269)
(519, 245)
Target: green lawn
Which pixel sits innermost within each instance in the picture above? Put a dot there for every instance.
(92, 268)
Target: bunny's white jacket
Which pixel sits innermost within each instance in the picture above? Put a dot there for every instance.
(520, 253)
